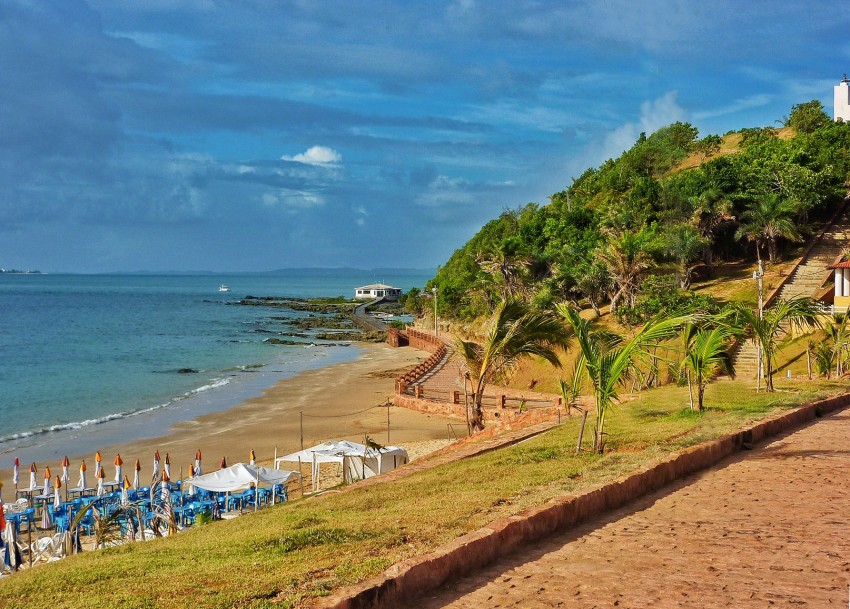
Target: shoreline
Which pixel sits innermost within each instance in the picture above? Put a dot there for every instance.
(339, 401)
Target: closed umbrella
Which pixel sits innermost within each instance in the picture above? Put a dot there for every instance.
(192, 474)
(155, 467)
(198, 471)
(46, 517)
(57, 500)
(82, 483)
(252, 457)
(101, 490)
(66, 478)
(164, 492)
(167, 466)
(223, 464)
(97, 465)
(46, 490)
(11, 556)
(16, 474)
(125, 500)
(33, 470)
(118, 463)
(138, 469)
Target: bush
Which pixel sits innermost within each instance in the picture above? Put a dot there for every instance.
(660, 294)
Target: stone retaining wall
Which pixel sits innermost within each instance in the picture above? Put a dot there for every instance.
(415, 577)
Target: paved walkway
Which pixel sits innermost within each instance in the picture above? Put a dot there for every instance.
(765, 528)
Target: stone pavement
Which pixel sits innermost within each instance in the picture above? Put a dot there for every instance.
(765, 528)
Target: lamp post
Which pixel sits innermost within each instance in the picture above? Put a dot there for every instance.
(759, 275)
(434, 292)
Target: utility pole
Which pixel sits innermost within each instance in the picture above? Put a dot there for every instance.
(759, 275)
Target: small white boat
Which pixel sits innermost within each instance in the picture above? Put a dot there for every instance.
(223, 288)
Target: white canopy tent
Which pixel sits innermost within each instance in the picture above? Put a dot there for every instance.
(358, 461)
(241, 476)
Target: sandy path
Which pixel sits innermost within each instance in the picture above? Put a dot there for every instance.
(766, 528)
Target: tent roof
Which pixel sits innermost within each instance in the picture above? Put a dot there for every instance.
(240, 476)
(334, 451)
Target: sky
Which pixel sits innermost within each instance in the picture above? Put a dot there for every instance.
(251, 135)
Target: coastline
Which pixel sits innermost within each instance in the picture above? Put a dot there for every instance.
(337, 402)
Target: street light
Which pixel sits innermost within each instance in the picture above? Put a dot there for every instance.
(434, 292)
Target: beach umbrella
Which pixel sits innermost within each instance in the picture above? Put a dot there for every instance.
(16, 474)
(155, 466)
(138, 469)
(97, 465)
(46, 490)
(1, 498)
(83, 468)
(2, 518)
(101, 474)
(33, 470)
(198, 471)
(118, 463)
(192, 474)
(11, 556)
(223, 463)
(131, 528)
(167, 466)
(57, 500)
(125, 500)
(164, 493)
(46, 517)
(66, 478)
(252, 457)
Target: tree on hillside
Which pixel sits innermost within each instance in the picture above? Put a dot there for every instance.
(608, 360)
(775, 323)
(808, 117)
(706, 356)
(711, 210)
(514, 332)
(627, 256)
(593, 281)
(769, 220)
(684, 244)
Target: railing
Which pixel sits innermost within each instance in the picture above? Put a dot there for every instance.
(499, 400)
(832, 309)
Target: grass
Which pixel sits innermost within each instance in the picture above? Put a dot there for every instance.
(286, 555)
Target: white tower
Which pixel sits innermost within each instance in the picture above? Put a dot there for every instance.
(841, 108)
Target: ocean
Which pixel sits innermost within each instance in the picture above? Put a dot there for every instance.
(96, 360)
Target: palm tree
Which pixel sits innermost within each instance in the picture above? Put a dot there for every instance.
(627, 257)
(706, 355)
(607, 359)
(684, 244)
(797, 313)
(711, 211)
(770, 219)
(514, 332)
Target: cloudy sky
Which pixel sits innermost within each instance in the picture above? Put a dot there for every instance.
(261, 134)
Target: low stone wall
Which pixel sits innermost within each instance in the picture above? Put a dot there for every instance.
(415, 577)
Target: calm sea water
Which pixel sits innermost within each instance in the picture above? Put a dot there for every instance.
(94, 359)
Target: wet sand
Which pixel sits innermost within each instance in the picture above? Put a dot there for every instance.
(342, 401)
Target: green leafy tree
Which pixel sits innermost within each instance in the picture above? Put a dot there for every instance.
(775, 323)
(513, 333)
(628, 256)
(608, 360)
(711, 210)
(684, 244)
(808, 117)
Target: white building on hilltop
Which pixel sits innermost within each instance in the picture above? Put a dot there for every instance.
(841, 107)
(377, 290)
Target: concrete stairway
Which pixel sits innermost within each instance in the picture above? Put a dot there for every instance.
(807, 278)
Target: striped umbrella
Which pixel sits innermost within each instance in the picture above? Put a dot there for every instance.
(118, 463)
(97, 465)
(252, 457)
(167, 466)
(155, 466)
(46, 490)
(33, 470)
(198, 463)
(16, 474)
(57, 500)
(138, 469)
(101, 490)
(83, 468)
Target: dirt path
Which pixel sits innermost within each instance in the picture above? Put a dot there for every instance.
(766, 528)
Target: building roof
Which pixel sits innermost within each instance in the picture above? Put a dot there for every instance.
(377, 286)
(840, 265)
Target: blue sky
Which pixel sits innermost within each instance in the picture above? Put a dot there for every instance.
(262, 134)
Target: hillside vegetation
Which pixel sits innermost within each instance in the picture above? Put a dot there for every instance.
(673, 206)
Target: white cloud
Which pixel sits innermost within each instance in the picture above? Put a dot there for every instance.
(292, 199)
(362, 214)
(316, 155)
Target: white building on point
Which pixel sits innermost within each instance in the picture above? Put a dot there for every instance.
(377, 290)
(841, 105)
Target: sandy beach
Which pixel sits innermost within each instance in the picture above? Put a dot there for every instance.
(342, 401)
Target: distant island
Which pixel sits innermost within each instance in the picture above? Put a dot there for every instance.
(17, 272)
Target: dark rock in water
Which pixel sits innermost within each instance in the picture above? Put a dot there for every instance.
(187, 371)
